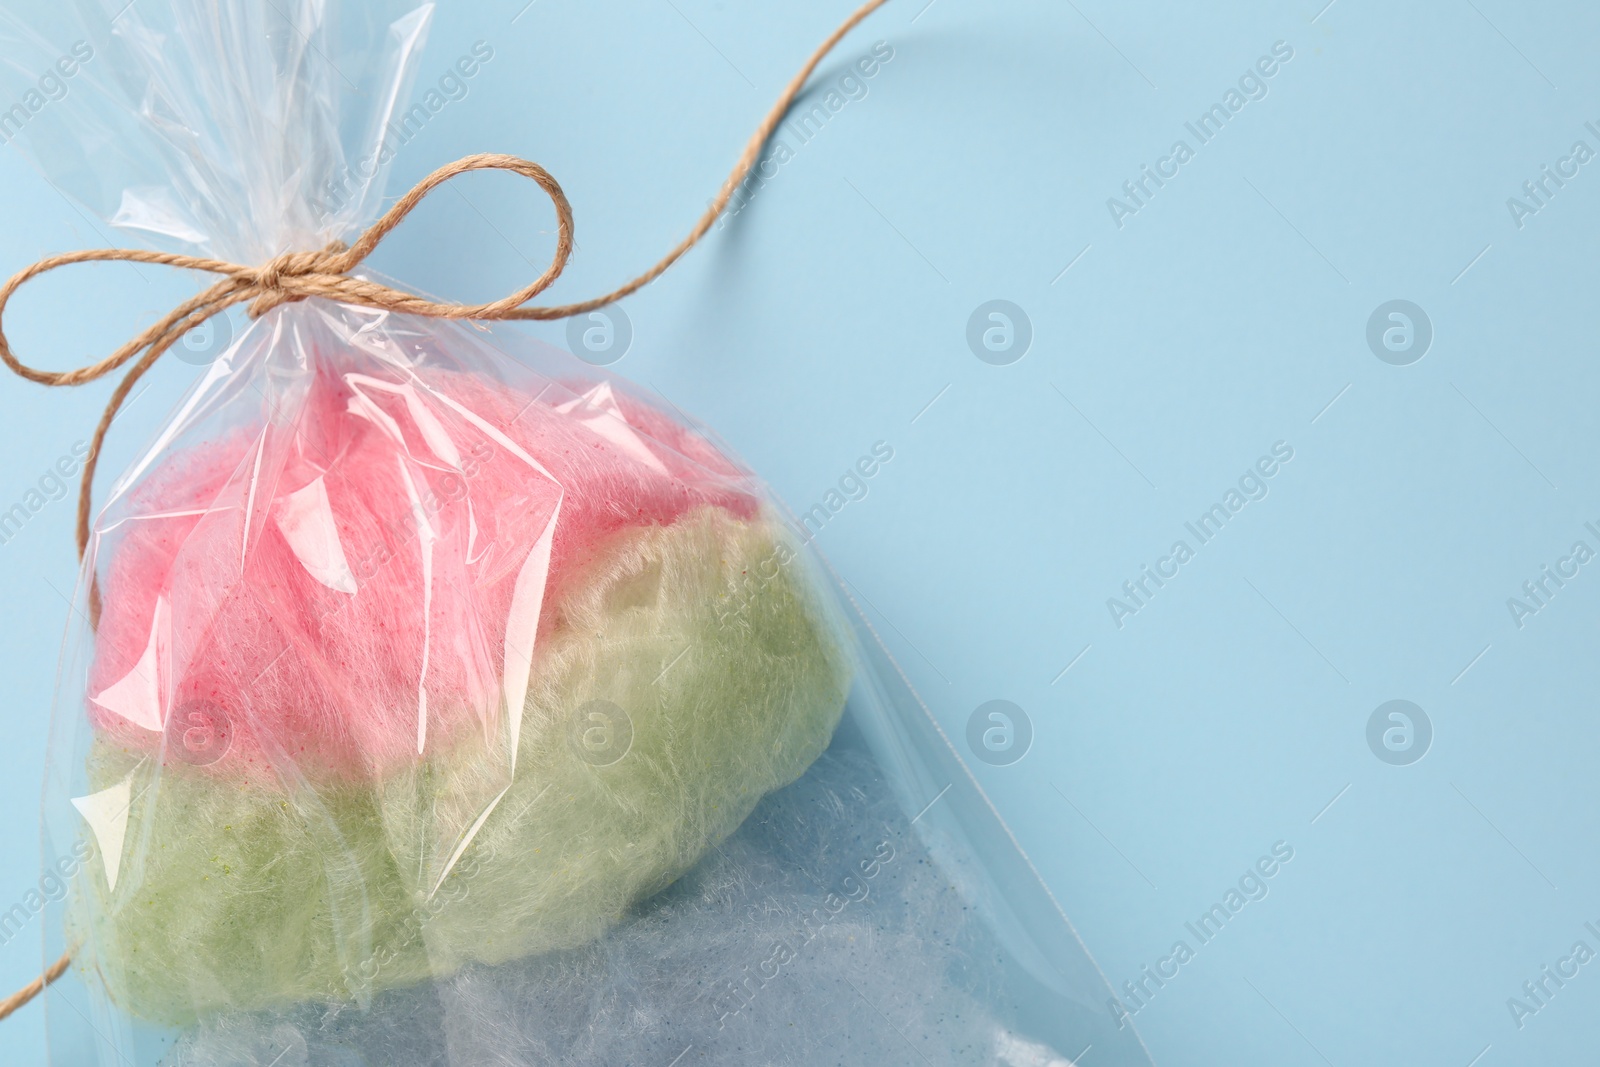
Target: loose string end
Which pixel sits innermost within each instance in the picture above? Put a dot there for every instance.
(296, 276)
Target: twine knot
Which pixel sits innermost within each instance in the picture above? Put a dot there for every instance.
(294, 276)
(286, 279)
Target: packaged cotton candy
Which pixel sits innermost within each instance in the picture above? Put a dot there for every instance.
(419, 637)
(437, 698)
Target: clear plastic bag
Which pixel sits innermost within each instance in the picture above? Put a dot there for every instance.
(450, 701)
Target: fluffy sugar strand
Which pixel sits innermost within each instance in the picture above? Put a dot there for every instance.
(292, 601)
(690, 672)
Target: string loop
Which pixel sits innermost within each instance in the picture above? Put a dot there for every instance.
(294, 276)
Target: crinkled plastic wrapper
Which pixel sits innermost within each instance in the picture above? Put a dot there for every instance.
(451, 702)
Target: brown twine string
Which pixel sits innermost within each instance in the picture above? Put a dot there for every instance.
(295, 276)
(35, 987)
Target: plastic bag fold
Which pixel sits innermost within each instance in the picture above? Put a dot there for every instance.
(450, 701)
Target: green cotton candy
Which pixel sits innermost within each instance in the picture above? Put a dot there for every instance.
(692, 672)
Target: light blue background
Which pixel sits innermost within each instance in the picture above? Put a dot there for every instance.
(1223, 317)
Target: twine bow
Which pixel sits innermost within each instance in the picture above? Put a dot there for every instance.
(288, 278)
(295, 276)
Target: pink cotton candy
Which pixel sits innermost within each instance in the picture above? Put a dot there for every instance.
(330, 591)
